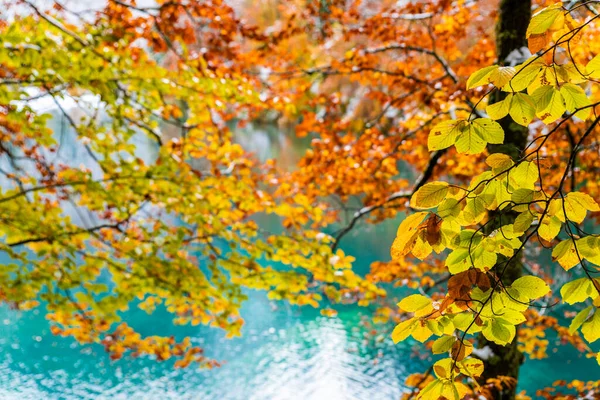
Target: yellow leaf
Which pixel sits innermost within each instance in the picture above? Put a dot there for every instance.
(499, 331)
(531, 287)
(421, 333)
(566, 254)
(489, 130)
(444, 134)
(593, 67)
(443, 344)
(443, 368)
(448, 208)
(575, 98)
(458, 261)
(480, 77)
(579, 319)
(407, 235)
(549, 228)
(404, 329)
(477, 133)
(525, 74)
(589, 248)
(578, 291)
(545, 19)
(499, 162)
(499, 109)
(577, 204)
(522, 109)
(523, 222)
(549, 102)
(501, 76)
(433, 390)
(525, 175)
(474, 211)
(421, 249)
(471, 367)
(522, 197)
(591, 328)
(429, 195)
(414, 303)
(470, 141)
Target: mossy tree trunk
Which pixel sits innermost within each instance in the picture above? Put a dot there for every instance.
(513, 19)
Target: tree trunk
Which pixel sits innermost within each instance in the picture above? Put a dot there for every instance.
(513, 19)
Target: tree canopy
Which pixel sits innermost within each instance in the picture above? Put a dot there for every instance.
(486, 139)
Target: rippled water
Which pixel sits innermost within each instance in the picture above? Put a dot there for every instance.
(285, 353)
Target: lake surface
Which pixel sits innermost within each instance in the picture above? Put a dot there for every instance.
(286, 353)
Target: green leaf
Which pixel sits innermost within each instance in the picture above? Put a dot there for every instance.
(483, 259)
(499, 331)
(480, 77)
(449, 208)
(550, 104)
(444, 134)
(490, 130)
(429, 195)
(470, 141)
(522, 196)
(544, 19)
(474, 210)
(578, 291)
(522, 109)
(531, 287)
(525, 74)
(458, 261)
(514, 317)
(576, 98)
(443, 344)
(469, 238)
(579, 319)
(523, 222)
(499, 109)
(525, 175)
(477, 133)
